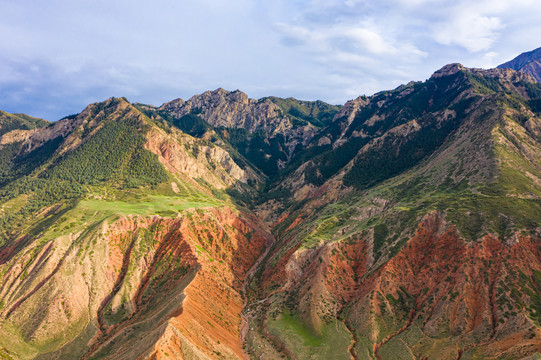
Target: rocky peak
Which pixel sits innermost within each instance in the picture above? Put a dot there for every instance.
(173, 103)
(232, 109)
(351, 107)
(220, 96)
(528, 62)
(447, 70)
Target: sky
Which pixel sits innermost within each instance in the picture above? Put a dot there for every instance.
(58, 56)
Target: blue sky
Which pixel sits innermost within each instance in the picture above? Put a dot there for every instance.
(57, 56)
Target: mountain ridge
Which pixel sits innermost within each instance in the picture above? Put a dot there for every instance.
(528, 62)
(405, 224)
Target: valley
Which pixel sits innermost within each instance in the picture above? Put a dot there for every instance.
(402, 225)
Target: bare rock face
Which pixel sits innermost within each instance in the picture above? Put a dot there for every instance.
(183, 155)
(221, 108)
(348, 113)
(534, 69)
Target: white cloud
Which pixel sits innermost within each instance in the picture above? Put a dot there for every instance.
(68, 53)
(366, 39)
(357, 41)
(491, 57)
(472, 31)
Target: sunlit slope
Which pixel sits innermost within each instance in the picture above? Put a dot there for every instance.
(426, 238)
(107, 218)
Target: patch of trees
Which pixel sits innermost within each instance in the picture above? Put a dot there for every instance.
(398, 154)
(115, 156)
(115, 153)
(258, 148)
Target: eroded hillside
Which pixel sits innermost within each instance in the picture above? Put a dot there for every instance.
(401, 225)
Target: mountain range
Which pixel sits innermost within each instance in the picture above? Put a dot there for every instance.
(402, 225)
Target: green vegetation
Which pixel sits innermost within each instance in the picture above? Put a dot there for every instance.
(328, 163)
(190, 124)
(9, 122)
(380, 236)
(115, 153)
(317, 113)
(15, 166)
(386, 161)
(150, 205)
(258, 148)
(114, 156)
(397, 153)
(394, 153)
(330, 343)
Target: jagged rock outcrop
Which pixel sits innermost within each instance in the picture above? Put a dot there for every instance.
(234, 109)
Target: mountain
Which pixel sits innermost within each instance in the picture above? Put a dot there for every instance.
(401, 225)
(414, 242)
(267, 131)
(528, 62)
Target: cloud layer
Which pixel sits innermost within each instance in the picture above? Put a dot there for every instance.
(58, 56)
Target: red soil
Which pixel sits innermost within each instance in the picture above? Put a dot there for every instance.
(438, 281)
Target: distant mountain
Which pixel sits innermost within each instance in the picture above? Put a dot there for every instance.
(402, 225)
(528, 62)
